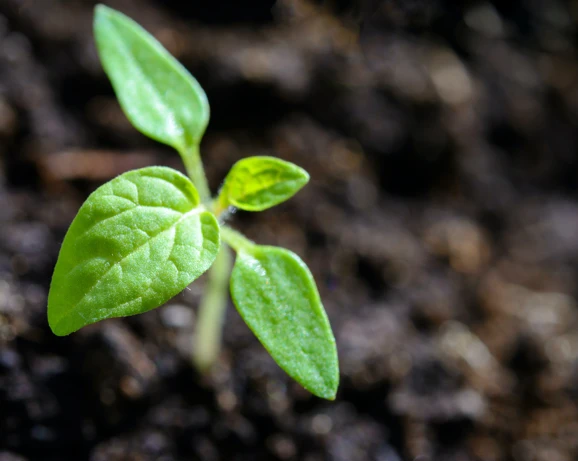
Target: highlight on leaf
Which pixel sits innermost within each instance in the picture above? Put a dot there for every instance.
(136, 242)
(261, 182)
(276, 295)
(158, 95)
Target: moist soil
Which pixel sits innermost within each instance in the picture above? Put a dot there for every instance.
(441, 225)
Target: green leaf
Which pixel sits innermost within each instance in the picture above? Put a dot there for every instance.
(158, 95)
(276, 295)
(136, 242)
(258, 183)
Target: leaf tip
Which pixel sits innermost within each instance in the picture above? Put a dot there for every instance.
(58, 333)
(329, 391)
(56, 328)
(102, 16)
(328, 394)
(101, 10)
(328, 384)
(305, 177)
(303, 172)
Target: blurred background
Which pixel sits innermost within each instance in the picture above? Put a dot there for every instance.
(441, 224)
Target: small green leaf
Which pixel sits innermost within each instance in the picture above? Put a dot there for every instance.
(158, 95)
(276, 295)
(258, 183)
(136, 242)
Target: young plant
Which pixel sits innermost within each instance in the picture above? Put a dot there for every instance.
(141, 238)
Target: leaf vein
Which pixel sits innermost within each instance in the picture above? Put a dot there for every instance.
(180, 191)
(119, 262)
(86, 231)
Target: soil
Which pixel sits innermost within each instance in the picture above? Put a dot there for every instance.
(440, 223)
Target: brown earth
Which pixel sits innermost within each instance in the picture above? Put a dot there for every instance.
(441, 224)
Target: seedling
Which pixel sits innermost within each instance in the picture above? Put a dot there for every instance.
(143, 237)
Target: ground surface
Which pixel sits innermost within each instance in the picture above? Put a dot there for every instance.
(441, 224)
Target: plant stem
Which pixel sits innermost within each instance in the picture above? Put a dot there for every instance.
(194, 166)
(209, 326)
(234, 238)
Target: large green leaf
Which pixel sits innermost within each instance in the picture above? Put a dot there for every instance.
(276, 295)
(156, 92)
(258, 183)
(136, 242)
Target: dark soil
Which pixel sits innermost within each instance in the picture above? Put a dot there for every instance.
(441, 224)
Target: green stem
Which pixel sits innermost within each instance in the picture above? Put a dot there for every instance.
(235, 239)
(209, 326)
(194, 166)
